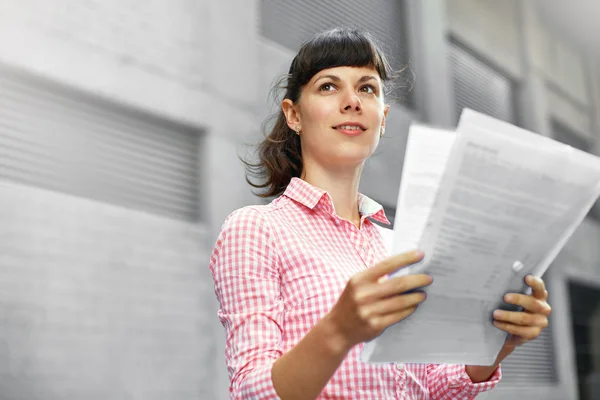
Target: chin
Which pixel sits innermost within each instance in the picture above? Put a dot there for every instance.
(352, 158)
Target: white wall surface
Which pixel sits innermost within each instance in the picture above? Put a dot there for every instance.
(560, 62)
(567, 68)
(186, 60)
(491, 28)
(568, 113)
(594, 72)
(498, 31)
(99, 302)
(189, 61)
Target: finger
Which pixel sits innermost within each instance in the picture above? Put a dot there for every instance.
(525, 332)
(386, 320)
(393, 304)
(529, 303)
(521, 318)
(538, 286)
(391, 264)
(402, 284)
(391, 287)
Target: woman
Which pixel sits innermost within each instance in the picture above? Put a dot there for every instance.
(300, 280)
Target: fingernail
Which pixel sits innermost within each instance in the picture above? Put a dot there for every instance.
(508, 298)
(498, 314)
(419, 253)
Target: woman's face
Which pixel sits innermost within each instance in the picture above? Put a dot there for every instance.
(340, 111)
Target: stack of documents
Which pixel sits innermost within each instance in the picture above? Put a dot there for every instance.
(488, 204)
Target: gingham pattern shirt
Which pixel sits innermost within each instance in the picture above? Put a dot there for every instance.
(279, 268)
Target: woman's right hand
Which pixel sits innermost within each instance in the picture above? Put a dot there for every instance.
(370, 303)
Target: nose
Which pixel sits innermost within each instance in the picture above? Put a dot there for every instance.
(351, 102)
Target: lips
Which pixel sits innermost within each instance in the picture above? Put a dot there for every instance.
(350, 128)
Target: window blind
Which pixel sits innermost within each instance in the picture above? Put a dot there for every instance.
(480, 87)
(58, 139)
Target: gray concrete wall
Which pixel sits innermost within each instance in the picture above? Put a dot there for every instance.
(99, 302)
(107, 302)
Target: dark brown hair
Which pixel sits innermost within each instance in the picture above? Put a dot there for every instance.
(280, 154)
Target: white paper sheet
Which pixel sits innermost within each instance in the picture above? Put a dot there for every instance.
(427, 153)
(506, 203)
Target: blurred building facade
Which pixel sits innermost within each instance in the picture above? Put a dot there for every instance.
(121, 123)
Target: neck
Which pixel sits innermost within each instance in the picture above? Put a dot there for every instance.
(342, 186)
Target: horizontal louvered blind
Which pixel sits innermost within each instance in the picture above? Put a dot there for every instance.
(480, 87)
(290, 23)
(60, 140)
(532, 364)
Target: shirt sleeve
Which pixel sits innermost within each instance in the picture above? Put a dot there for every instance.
(244, 267)
(451, 382)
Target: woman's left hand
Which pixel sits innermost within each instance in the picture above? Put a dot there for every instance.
(525, 325)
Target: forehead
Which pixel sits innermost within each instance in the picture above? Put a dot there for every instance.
(347, 72)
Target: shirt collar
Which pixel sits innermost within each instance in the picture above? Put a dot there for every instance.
(310, 196)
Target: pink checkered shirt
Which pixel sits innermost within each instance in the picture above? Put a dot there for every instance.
(279, 268)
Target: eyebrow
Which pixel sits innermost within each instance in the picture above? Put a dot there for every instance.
(337, 78)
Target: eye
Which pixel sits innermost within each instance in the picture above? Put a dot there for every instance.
(327, 87)
(368, 89)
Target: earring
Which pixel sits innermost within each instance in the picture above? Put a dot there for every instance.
(297, 129)
(381, 131)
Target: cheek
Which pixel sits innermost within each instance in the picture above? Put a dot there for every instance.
(319, 113)
(374, 111)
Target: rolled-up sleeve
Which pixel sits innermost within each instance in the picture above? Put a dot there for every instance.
(245, 270)
(451, 382)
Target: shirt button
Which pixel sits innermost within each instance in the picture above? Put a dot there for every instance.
(400, 366)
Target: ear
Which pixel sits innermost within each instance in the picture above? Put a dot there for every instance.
(291, 112)
(385, 113)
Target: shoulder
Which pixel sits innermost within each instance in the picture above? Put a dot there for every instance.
(263, 215)
(245, 238)
(247, 217)
(251, 224)
(244, 214)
